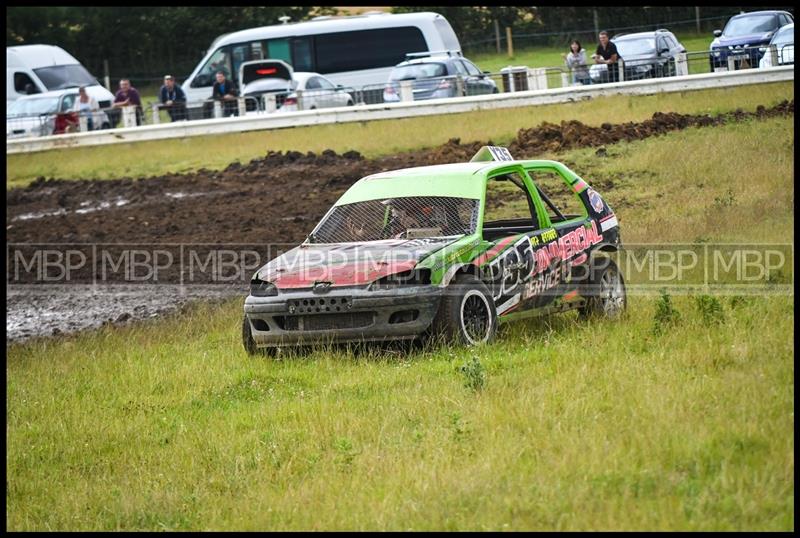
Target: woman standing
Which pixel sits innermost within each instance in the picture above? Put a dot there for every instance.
(576, 62)
(86, 105)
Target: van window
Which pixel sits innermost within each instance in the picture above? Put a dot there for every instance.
(58, 77)
(21, 81)
(219, 61)
(366, 49)
(278, 49)
(301, 54)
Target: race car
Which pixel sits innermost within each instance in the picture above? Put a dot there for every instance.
(445, 251)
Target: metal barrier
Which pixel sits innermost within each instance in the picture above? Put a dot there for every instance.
(510, 79)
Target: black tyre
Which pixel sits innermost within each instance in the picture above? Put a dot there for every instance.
(467, 315)
(349, 103)
(250, 344)
(604, 290)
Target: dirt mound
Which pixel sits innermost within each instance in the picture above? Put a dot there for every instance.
(277, 197)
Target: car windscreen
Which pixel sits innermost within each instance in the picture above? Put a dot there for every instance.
(756, 24)
(415, 71)
(412, 217)
(784, 36)
(33, 107)
(58, 77)
(629, 48)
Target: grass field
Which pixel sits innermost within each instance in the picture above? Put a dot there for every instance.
(371, 138)
(575, 426)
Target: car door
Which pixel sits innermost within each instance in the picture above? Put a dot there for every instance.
(311, 95)
(512, 231)
(570, 213)
(479, 80)
(328, 94)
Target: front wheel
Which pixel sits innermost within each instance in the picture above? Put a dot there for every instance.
(467, 314)
(605, 290)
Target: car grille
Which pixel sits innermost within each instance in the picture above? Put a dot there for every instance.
(104, 104)
(314, 305)
(324, 322)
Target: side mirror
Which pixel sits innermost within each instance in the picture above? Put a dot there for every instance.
(717, 33)
(663, 51)
(487, 72)
(339, 87)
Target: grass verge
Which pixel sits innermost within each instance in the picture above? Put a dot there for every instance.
(371, 138)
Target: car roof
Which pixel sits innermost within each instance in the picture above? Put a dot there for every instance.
(53, 93)
(461, 180)
(763, 12)
(426, 60)
(639, 35)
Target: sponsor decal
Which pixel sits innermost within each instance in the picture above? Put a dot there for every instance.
(595, 200)
(579, 185)
(608, 222)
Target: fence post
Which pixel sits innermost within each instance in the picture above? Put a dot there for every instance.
(106, 76)
(540, 78)
(773, 53)
(681, 65)
(510, 42)
(270, 103)
(217, 109)
(299, 99)
(731, 63)
(564, 80)
(511, 88)
(497, 35)
(84, 123)
(156, 117)
(460, 86)
(406, 91)
(129, 116)
(621, 67)
(242, 106)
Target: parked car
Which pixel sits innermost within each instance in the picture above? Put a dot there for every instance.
(34, 69)
(43, 114)
(434, 75)
(429, 252)
(263, 77)
(783, 40)
(648, 54)
(744, 38)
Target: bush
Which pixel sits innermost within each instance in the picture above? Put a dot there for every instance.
(474, 374)
(710, 309)
(666, 314)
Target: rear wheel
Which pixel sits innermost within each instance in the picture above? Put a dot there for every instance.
(467, 314)
(605, 290)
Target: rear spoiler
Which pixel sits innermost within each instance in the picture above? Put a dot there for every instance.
(258, 69)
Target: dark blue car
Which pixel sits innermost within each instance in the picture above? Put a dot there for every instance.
(744, 36)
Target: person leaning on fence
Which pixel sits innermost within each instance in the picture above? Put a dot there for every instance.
(608, 54)
(129, 96)
(173, 99)
(87, 107)
(225, 90)
(576, 63)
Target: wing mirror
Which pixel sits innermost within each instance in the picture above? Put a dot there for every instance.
(717, 33)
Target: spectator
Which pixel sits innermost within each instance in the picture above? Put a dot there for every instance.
(128, 96)
(608, 55)
(225, 90)
(86, 105)
(173, 99)
(576, 63)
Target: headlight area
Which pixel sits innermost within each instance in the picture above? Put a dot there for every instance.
(412, 277)
(262, 288)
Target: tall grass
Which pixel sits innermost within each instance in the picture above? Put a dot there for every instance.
(561, 424)
(371, 138)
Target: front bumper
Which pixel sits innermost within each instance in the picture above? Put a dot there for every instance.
(341, 315)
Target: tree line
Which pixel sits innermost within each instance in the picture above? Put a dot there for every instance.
(153, 41)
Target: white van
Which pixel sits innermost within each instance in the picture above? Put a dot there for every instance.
(352, 51)
(34, 69)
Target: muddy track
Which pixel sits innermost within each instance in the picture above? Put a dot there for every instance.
(278, 197)
(274, 199)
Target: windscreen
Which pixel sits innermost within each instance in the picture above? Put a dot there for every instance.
(33, 107)
(756, 24)
(398, 218)
(58, 77)
(629, 48)
(415, 71)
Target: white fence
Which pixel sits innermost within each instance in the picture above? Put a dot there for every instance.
(362, 113)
